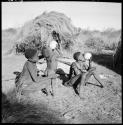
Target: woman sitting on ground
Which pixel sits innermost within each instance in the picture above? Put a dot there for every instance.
(29, 80)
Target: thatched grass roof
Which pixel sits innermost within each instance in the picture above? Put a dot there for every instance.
(42, 26)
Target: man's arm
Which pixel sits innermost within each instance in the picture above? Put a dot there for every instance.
(67, 63)
(33, 72)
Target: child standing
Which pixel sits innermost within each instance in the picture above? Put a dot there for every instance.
(51, 54)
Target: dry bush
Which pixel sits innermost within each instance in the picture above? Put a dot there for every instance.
(95, 43)
(106, 40)
(110, 46)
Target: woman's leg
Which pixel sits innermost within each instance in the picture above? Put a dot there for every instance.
(33, 87)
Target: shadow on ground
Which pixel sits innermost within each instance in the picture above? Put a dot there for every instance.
(26, 113)
(107, 61)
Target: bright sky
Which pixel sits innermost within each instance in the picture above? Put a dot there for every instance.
(92, 15)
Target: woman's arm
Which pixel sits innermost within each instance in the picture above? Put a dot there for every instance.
(33, 73)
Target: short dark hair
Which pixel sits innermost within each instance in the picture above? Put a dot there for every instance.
(30, 53)
(54, 32)
(76, 55)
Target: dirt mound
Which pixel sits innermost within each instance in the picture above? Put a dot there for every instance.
(96, 105)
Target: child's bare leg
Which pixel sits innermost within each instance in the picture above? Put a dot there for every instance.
(83, 77)
(51, 87)
(82, 82)
(97, 78)
(89, 74)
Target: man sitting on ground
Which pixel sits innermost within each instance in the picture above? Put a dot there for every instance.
(80, 72)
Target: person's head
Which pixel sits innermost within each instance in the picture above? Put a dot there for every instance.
(78, 56)
(31, 53)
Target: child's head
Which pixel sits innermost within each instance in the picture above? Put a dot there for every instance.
(78, 56)
(31, 53)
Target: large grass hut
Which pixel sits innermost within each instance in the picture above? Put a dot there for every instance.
(40, 29)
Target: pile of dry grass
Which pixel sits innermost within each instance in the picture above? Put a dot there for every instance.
(39, 30)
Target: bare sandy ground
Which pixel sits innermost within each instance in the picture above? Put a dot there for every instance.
(98, 105)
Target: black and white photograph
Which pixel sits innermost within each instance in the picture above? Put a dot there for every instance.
(61, 62)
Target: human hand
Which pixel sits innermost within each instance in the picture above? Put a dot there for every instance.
(53, 76)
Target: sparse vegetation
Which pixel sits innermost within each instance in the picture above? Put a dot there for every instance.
(39, 30)
(95, 43)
